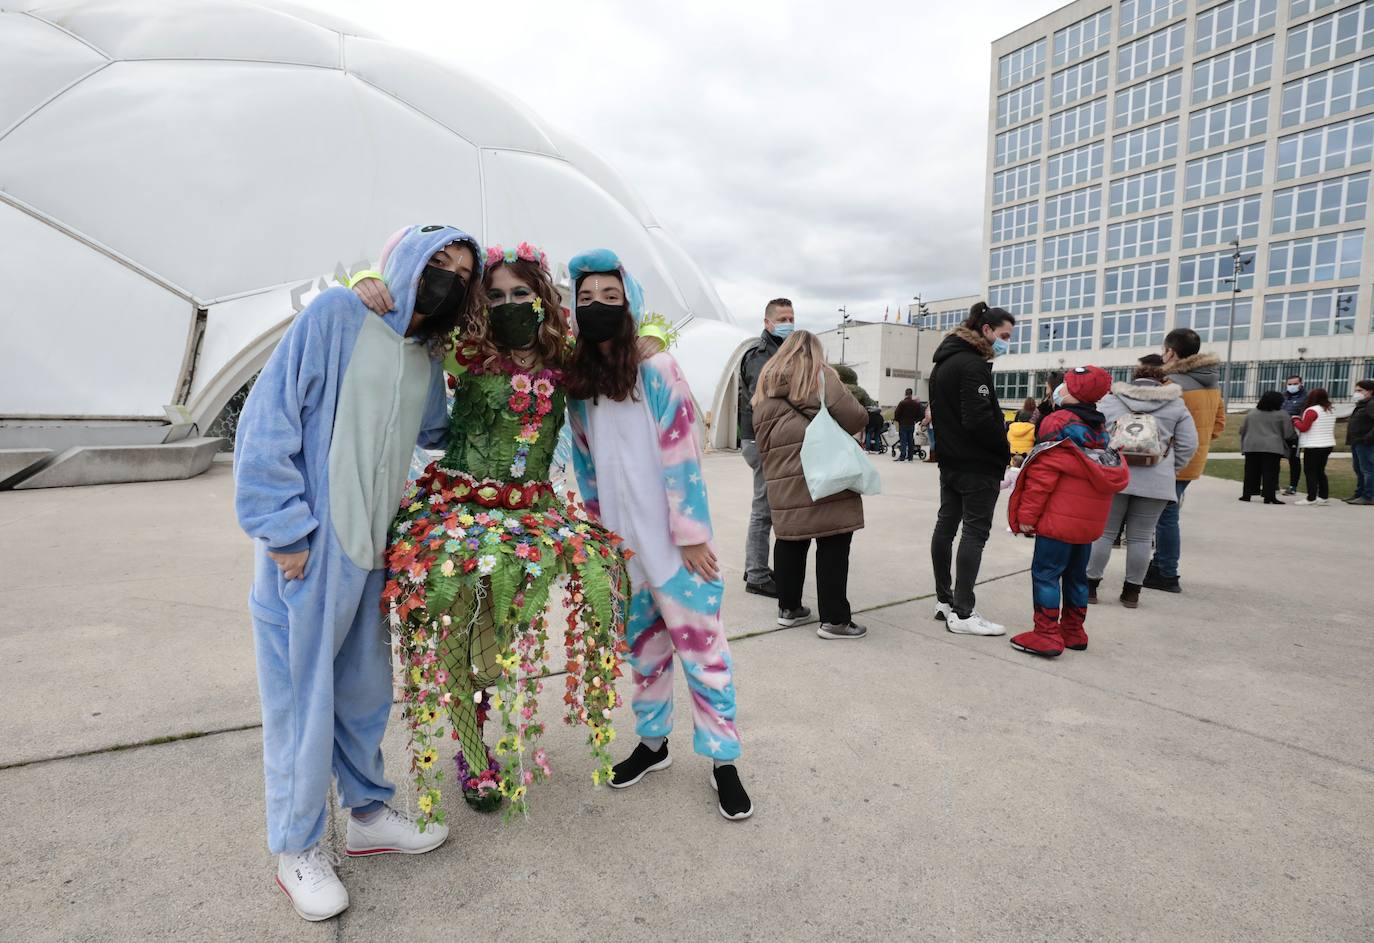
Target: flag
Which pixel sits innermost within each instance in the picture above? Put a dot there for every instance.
(886, 310)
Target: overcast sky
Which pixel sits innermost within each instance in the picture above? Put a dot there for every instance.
(833, 152)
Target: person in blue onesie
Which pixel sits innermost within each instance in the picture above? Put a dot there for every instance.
(323, 448)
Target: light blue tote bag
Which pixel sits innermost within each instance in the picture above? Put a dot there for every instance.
(832, 460)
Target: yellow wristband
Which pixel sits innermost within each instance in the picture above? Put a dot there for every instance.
(365, 274)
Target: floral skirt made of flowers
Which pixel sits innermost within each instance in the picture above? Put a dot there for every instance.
(470, 569)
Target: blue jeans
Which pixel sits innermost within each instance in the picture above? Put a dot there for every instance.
(906, 436)
(1168, 539)
(1362, 458)
(1056, 565)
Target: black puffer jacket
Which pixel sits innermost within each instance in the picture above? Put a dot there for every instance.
(970, 433)
(749, 369)
(1361, 428)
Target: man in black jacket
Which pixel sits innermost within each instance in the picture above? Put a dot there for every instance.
(973, 456)
(1294, 404)
(778, 320)
(1359, 435)
(907, 414)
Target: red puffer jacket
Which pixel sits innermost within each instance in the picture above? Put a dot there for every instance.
(1064, 491)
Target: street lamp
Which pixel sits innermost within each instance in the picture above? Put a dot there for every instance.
(1238, 264)
(844, 330)
(922, 309)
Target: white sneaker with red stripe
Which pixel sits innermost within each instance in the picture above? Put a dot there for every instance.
(309, 882)
(392, 833)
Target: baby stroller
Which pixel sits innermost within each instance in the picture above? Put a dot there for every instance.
(919, 442)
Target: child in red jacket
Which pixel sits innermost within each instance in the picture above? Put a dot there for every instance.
(1062, 496)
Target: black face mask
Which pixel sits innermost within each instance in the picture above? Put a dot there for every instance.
(514, 325)
(439, 297)
(597, 322)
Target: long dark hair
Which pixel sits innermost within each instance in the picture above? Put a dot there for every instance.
(590, 373)
(550, 341)
(1318, 398)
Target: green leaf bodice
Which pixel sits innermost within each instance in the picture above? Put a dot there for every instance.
(483, 430)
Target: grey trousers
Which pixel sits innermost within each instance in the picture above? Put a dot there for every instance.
(1141, 515)
(756, 568)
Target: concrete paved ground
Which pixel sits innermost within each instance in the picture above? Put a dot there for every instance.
(1203, 772)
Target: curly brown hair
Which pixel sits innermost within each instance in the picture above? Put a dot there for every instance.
(591, 374)
(551, 341)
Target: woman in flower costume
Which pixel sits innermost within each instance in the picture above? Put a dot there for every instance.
(477, 546)
(637, 459)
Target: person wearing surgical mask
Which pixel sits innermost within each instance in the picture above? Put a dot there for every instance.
(973, 456)
(778, 322)
(1359, 435)
(1294, 401)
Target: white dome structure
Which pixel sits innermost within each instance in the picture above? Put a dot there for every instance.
(178, 177)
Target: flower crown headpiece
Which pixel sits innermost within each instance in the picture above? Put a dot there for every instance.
(523, 253)
(658, 325)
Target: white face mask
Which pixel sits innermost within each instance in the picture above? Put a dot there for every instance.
(1361, 395)
(1294, 387)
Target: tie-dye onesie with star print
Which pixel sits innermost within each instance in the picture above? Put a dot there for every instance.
(638, 469)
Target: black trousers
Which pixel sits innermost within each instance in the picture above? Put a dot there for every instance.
(1294, 467)
(1261, 475)
(969, 499)
(1316, 473)
(832, 575)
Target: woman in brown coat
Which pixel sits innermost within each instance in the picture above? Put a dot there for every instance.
(785, 400)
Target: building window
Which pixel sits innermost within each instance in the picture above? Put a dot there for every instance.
(1229, 22)
(1016, 297)
(1065, 292)
(1303, 7)
(1074, 167)
(1150, 54)
(1012, 386)
(1228, 122)
(1144, 146)
(1325, 203)
(1148, 236)
(1134, 284)
(1139, 15)
(1330, 37)
(1316, 258)
(1015, 222)
(1012, 261)
(1321, 313)
(1218, 223)
(1140, 192)
(1328, 93)
(1018, 144)
(1233, 71)
(1074, 332)
(1139, 327)
(1083, 38)
(1080, 81)
(1330, 375)
(1075, 208)
(1016, 183)
(1210, 272)
(1149, 99)
(944, 321)
(1224, 173)
(1071, 250)
(1022, 64)
(1333, 147)
(1078, 124)
(1021, 337)
(1212, 319)
(1021, 104)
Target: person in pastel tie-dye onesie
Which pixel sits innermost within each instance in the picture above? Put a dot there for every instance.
(636, 455)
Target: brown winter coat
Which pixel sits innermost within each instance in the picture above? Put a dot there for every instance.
(779, 431)
(1199, 376)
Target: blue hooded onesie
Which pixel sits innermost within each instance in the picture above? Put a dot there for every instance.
(323, 447)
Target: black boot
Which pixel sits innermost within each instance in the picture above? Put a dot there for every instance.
(1092, 591)
(1130, 595)
(1167, 584)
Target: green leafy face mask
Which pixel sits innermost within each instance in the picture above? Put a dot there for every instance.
(515, 325)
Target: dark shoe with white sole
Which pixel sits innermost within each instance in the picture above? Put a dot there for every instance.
(639, 764)
(732, 801)
(790, 617)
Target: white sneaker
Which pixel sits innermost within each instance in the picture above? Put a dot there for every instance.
(1304, 502)
(942, 611)
(975, 624)
(392, 833)
(1321, 502)
(309, 882)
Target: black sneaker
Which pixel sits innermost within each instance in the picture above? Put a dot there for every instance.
(790, 617)
(733, 801)
(1167, 584)
(766, 588)
(639, 764)
(850, 630)
(1290, 490)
